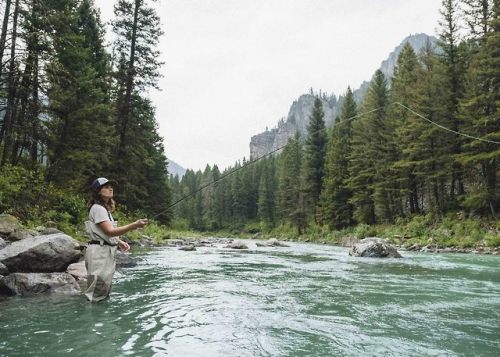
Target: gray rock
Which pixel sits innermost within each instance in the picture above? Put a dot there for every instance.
(3, 243)
(51, 253)
(174, 242)
(50, 230)
(21, 234)
(77, 270)
(124, 260)
(8, 224)
(429, 248)
(26, 284)
(50, 224)
(4, 270)
(188, 248)
(414, 247)
(273, 242)
(4, 290)
(374, 247)
(236, 245)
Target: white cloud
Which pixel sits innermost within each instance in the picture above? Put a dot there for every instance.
(233, 67)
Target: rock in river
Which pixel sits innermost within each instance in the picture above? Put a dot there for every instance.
(41, 254)
(26, 284)
(273, 242)
(236, 245)
(374, 247)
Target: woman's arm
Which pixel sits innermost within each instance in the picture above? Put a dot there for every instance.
(107, 227)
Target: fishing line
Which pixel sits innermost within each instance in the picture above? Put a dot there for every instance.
(448, 129)
(315, 132)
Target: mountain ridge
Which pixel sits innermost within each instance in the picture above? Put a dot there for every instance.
(298, 114)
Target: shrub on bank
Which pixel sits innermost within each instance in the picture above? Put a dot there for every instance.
(25, 195)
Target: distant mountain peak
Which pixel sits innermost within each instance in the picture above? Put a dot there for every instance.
(175, 169)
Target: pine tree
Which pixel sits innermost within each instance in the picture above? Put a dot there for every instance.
(336, 209)
(403, 91)
(453, 82)
(208, 199)
(315, 151)
(137, 30)
(7, 131)
(291, 189)
(479, 111)
(267, 194)
(371, 156)
(80, 113)
(137, 27)
(432, 149)
(478, 15)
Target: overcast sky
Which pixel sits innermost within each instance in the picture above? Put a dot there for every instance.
(234, 67)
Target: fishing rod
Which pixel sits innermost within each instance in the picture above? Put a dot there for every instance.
(251, 162)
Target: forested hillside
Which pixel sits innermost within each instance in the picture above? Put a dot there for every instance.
(73, 109)
(425, 142)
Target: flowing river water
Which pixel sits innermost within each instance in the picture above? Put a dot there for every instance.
(304, 300)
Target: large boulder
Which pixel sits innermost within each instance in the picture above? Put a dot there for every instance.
(50, 253)
(26, 284)
(8, 224)
(375, 248)
(77, 270)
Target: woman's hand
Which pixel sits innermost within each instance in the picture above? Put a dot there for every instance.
(123, 246)
(140, 223)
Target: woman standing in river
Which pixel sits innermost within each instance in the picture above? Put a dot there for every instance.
(100, 257)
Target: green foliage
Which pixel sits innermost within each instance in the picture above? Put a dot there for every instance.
(26, 195)
(364, 230)
(79, 128)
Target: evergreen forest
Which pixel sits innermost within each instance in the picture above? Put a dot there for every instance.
(73, 108)
(423, 145)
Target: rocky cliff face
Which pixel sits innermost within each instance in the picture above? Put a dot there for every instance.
(175, 169)
(298, 115)
(297, 120)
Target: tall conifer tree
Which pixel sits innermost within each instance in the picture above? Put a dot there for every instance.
(291, 188)
(372, 150)
(315, 151)
(336, 208)
(80, 126)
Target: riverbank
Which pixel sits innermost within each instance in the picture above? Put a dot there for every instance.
(450, 234)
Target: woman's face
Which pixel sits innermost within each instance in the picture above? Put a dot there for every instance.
(106, 192)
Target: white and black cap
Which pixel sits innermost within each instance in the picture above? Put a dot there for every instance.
(101, 181)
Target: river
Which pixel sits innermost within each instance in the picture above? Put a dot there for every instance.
(304, 300)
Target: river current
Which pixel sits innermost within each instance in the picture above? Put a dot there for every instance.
(304, 300)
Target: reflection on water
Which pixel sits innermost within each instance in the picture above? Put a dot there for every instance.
(305, 300)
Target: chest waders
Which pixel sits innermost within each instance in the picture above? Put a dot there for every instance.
(100, 261)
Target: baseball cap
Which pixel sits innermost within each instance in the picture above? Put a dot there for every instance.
(101, 181)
